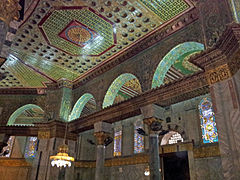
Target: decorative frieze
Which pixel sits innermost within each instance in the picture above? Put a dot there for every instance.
(198, 152)
(43, 134)
(218, 74)
(206, 151)
(10, 162)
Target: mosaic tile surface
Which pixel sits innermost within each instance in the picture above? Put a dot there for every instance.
(114, 88)
(66, 39)
(177, 54)
(21, 110)
(79, 105)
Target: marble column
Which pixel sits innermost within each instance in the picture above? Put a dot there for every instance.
(154, 159)
(101, 132)
(152, 114)
(226, 101)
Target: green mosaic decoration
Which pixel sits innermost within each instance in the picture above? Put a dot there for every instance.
(65, 104)
(69, 28)
(184, 66)
(53, 70)
(25, 75)
(166, 9)
(78, 107)
(178, 53)
(236, 9)
(113, 90)
(19, 111)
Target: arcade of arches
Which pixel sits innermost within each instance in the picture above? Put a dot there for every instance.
(137, 90)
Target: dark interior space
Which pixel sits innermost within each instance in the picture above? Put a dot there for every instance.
(176, 166)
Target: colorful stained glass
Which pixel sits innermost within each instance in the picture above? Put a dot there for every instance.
(6, 152)
(178, 53)
(138, 139)
(31, 147)
(208, 124)
(118, 142)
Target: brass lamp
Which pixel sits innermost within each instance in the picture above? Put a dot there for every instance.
(62, 159)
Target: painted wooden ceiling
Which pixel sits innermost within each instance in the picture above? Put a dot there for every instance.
(68, 38)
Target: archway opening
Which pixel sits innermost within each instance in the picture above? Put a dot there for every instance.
(175, 64)
(171, 137)
(27, 115)
(122, 88)
(85, 105)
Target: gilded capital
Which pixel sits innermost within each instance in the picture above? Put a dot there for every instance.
(9, 10)
(101, 136)
(153, 123)
(218, 74)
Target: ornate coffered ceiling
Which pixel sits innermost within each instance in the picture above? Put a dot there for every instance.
(70, 38)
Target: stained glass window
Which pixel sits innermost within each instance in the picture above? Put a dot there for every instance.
(208, 124)
(31, 147)
(6, 152)
(118, 141)
(138, 139)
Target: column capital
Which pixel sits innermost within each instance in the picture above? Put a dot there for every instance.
(9, 10)
(154, 124)
(101, 136)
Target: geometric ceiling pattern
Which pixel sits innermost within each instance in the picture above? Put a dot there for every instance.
(67, 39)
(78, 31)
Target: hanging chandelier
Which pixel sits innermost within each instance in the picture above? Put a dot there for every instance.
(62, 159)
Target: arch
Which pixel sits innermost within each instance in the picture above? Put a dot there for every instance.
(115, 87)
(19, 111)
(171, 134)
(181, 51)
(79, 105)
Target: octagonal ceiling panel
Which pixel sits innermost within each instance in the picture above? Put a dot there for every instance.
(78, 31)
(67, 39)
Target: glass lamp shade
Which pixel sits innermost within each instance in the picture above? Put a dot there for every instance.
(147, 172)
(62, 159)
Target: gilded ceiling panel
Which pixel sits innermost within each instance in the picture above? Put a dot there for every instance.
(64, 39)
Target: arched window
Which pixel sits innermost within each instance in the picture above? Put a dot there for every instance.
(172, 137)
(6, 152)
(138, 139)
(31, 147)
(208, 124)
(117, 141)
